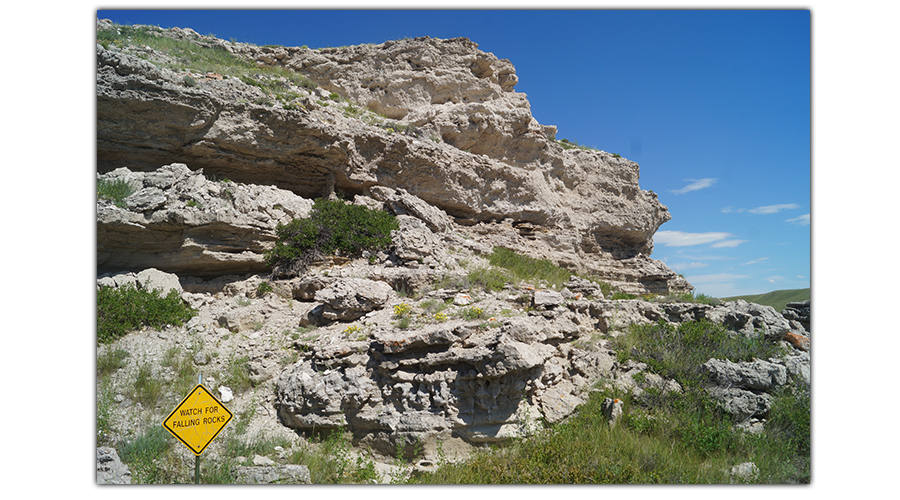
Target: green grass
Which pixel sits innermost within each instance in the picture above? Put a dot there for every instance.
(678, 352)
(777, 299)
(110, 361)
(190, 55)
(528, 269)
(661, 438)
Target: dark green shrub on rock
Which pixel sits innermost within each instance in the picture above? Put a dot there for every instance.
(126, 308)
(333, 228)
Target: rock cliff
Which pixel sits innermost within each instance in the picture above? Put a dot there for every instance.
(438, 119)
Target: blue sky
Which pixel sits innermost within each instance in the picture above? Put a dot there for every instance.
(713, 105)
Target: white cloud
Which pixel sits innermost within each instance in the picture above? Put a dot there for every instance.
(803, 220)
(682, 239)
(695, 185)
(681, 266)
(716, 278)
(728, 243)
(773, 209)
(755, 261)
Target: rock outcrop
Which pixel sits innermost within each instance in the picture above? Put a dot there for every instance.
(463, 142)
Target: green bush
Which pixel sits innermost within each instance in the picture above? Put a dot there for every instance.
(116, 190)
(333, 228)
(126, 308)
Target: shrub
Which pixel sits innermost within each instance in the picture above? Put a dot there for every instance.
(264, 288)
(126, 308)
(333, 228)
(116, 190)
(471, 313)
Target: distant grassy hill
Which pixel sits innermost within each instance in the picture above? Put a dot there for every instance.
(777, 299)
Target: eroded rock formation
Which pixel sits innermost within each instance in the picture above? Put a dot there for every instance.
(465, 142)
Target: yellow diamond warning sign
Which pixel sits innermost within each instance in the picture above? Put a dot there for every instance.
(198, 419)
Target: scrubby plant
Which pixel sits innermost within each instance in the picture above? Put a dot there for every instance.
(126, 308)
(144, 453)
(236, 374)
(115, 190)
(489, 278)
(471, 313)
(147, 387)
(678, 351)
(333, 228)
(263, 288)
(110, 361)
(401, 310)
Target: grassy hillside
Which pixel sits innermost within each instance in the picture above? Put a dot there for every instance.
(777, 299)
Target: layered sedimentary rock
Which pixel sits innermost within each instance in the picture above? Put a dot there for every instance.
(463, 141)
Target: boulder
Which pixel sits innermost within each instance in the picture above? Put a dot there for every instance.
(150, 279)
(798, 341)
(272, 474)
(110, 469)
(347, 299)
(756, 375)
(612, 410)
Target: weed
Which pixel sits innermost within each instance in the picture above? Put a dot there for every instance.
(147, 388)
(110, 361)
(143, 454)
(263, 288)
(528, 268)
(401, 310)
(237, 374)
(182, 365)
(489, 279)
(115, 190)
(471, 313)
(105, 404)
